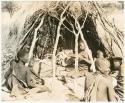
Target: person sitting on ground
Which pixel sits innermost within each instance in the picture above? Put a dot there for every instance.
(19, 76)
(98, 86)
(83, 60)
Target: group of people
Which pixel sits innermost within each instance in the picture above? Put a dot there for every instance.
(98, 85)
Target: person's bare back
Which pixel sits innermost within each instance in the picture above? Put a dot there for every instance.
(98, 86)
(105, 90)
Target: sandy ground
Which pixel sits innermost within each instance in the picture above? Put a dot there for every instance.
(72, 90)
(57, 91)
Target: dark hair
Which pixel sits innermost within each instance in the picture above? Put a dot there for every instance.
(22, 52)
(101, 62)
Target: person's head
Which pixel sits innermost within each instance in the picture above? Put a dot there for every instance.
(23, 54)
(81, 45)
(102, 65)
(99, 54)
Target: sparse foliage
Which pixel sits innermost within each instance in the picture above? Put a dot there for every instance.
(10, 6)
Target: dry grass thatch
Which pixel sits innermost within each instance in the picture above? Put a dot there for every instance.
(66, 18)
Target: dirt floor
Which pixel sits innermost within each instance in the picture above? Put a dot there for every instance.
(57, 91)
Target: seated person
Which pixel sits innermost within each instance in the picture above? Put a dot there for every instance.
(98, 86)
(83, 59)
(20, 76)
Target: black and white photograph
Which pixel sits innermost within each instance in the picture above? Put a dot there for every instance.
(70, 51)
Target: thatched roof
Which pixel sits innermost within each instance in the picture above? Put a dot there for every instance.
(98, 31)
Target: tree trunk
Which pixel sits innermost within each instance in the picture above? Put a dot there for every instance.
(92, 68)
(35, 38)
(57, 39)
(55, 46)
(23, 40)
(76, 52)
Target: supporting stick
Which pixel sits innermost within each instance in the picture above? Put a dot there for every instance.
(35, 38)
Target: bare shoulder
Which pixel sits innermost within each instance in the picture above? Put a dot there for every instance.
(107, 81)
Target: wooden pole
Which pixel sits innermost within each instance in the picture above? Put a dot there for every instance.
(57, 39)
(76, 52)
(23, 40)
(87, 48)
(35, 38)
(55, 46)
